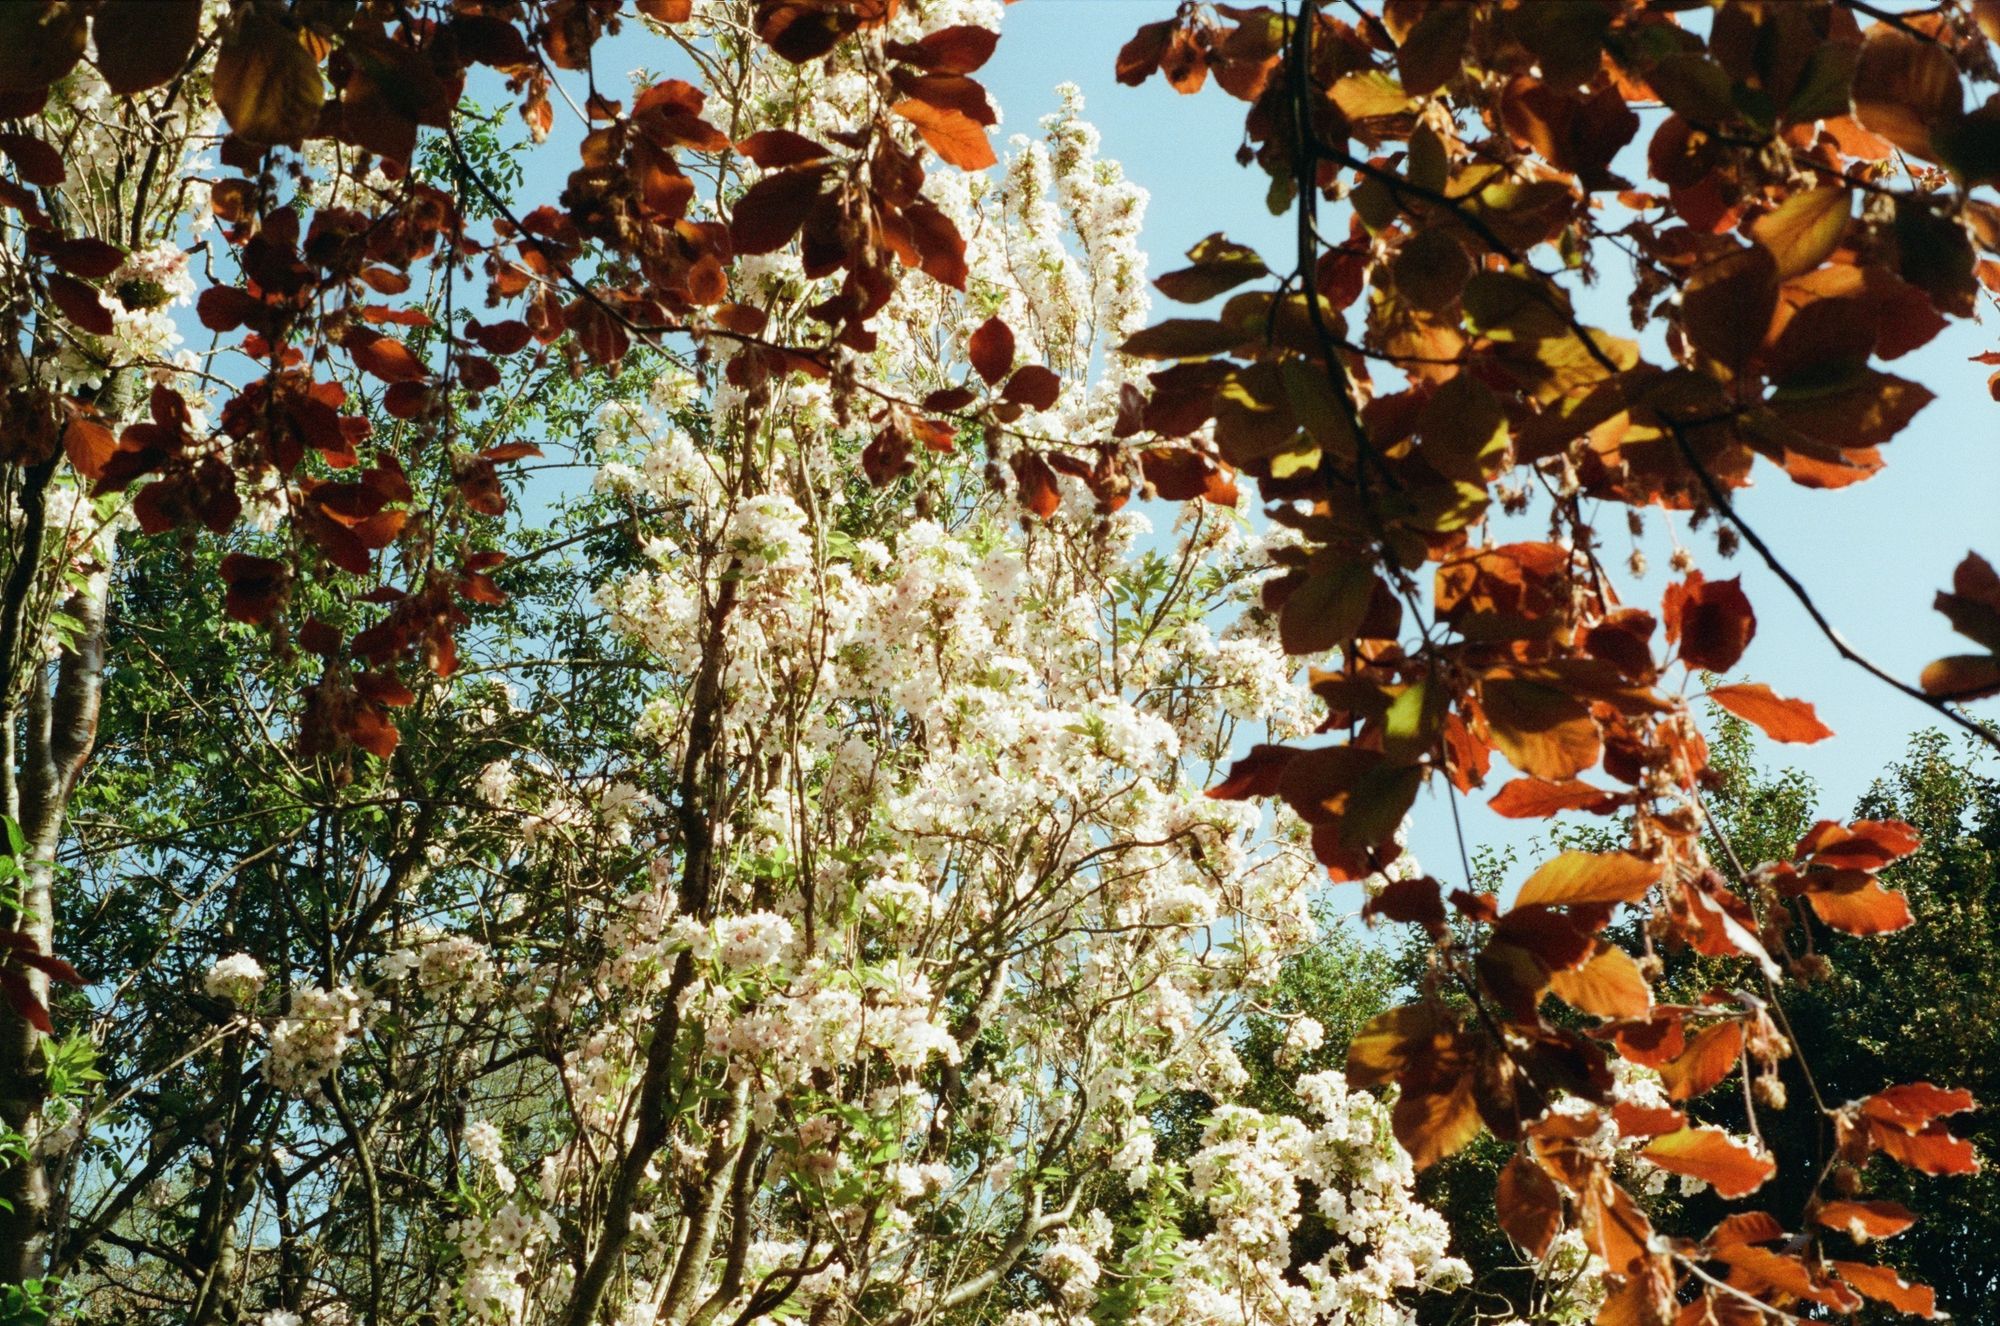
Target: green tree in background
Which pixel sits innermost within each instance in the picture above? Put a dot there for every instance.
(1922, 1004)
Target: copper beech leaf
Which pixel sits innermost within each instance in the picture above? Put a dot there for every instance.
(1219, 266)
(1962, 676)
(1034, 386)
(39, 43)
(1884, 1286)
(1865, 1220)
(991, 351)
(267, 81)
(1804, 230)
(1586, 878)
(773, 209)
(1780, 719)
(1528, 1204)
(1733, 1167)
(954, 50)
(89, 445)
(1536, 798)
(1610, 985)
(952, 134)
(1708, 1058)
(1867, 910)
(1906, 88)
(1711, 619)
(1544, 731)
(1727, 305)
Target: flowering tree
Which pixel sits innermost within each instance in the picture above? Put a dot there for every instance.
(777, 882)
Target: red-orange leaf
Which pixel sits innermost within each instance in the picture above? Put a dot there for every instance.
(1037, 483)
(1867, 910)
(1610, 985)
(1528, 1204)
(1733, 1168)
(1543, 731)
(1780, 718)
(952, 134)
(89, 445)
(1885, 1286)
(385, 357)
(1534, 798)
(1863, 1221)
(1709, 1057)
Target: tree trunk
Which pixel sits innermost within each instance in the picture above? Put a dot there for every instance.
(61, 728)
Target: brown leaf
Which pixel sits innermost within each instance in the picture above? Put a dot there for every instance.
(1867, 910)
(34, 160)
(21, 997)
(954, 50)
(1804, 230)
(1528, 1204)
(1727, 306)
(89, 445)
(991, 350)
(1543, 731)
(1905, 89)
(385, 357)
(1536, 798)
(80, 304)
(1712, 619)
(1255, 775)
(1034, 386)
(776, 148)
(39, 43)
(144, 43)
(773, 209)
(1038, 491)
(257, 586)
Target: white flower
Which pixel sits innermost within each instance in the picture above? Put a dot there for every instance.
(237, 978)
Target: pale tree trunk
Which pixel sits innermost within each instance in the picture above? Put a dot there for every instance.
(56, 734)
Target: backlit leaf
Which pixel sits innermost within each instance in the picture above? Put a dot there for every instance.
(1732, 1167)
(267, 82)
(1803, 231)
(1708, 1058)
(952, 134)
(1780, 719)
(1884, 1286)
(1579, 878)
(1610, 985)
(1865, 1220)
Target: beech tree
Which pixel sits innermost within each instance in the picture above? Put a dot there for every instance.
(813, 947)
